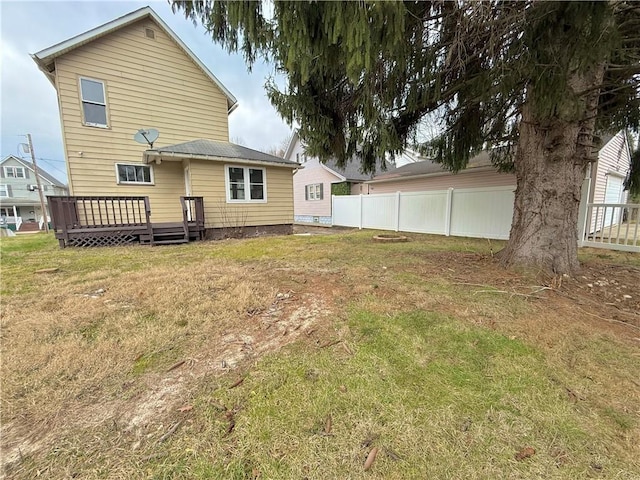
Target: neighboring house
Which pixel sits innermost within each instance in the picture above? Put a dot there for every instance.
(19, 198)
(607, 174)
(429, 175)
(314, 183)
(607, 177)
(134, 73)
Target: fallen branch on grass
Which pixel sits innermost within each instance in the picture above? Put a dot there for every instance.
(170, 432)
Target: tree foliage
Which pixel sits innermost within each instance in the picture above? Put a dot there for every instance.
(533, 82)
(362, 75)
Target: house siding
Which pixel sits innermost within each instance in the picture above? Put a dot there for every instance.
(208, 181)
(148, 83)
(613, 157)
(21, 196)
(312, 173)
(464, 179)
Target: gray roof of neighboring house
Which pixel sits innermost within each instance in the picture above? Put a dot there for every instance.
(429, 167)
(211, 148)
(41, 171)
(351, 171)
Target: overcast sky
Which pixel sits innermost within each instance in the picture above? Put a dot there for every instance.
(28, 100)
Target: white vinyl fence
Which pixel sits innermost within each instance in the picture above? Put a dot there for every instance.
(480, 213)
(474, 212)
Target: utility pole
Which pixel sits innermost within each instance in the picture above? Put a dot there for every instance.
(43, 206)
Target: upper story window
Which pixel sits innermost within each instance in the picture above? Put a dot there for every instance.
(14, 172)
(134, 173)
(4, 191)
(246, 184)
(313, 191)
(94, 102)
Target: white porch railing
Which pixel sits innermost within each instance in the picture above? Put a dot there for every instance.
(612, 225)
(12, 220)
(41, 221)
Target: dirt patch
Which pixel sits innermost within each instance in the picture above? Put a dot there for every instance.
(290, 316)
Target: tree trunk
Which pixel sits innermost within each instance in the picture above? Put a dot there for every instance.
(550, 163)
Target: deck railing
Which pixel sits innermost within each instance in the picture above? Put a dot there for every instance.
(193, 213)
(89, 221)
(99, 212)
(612, 225)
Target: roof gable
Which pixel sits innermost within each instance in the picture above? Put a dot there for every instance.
(43, 174)
(350, 172)
(45, 59)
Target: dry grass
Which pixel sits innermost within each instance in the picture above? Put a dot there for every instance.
(448, 363)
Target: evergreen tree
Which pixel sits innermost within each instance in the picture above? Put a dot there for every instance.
(532, 81)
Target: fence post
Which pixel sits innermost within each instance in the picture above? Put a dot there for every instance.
(333, 207)
(447, 219)
(583, 213)
(397, 211)
(361, 213)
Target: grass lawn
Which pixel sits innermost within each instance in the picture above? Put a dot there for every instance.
(297, 357)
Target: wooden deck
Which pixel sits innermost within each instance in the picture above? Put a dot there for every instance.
(111, 221)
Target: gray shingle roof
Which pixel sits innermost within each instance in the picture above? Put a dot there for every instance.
(211, 148)
(351, 170)
(430, 167)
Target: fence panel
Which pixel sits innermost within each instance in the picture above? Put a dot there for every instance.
(379, 211)
(424, 212)
(346, 210)
(482, 212)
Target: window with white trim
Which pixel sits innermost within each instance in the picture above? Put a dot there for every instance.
(131, 173)
(245, 184)
(313, 191)
(4, 191)
(14, 172)
(94, 102)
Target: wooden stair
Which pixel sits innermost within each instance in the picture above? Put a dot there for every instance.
(29, 227)
(166, 234)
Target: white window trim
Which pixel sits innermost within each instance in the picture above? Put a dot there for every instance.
(120, 182)
(82, 101)
(247, 186)
(4, 191)
(314, 187)
(11, 167)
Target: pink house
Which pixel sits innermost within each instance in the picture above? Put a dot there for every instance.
(315, 181)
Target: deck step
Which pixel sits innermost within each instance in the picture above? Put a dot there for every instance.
(170, 242)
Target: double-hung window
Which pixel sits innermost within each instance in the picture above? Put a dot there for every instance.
(94, 102)
(4, 191)
(14, 172)
(245, 184)
(133, 173)
(313, 191)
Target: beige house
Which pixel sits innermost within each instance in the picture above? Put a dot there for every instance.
(134, 73)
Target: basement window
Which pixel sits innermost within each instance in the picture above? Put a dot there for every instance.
(94, 102)
(134, 174)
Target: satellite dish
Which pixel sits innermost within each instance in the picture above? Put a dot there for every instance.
(146, 135)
